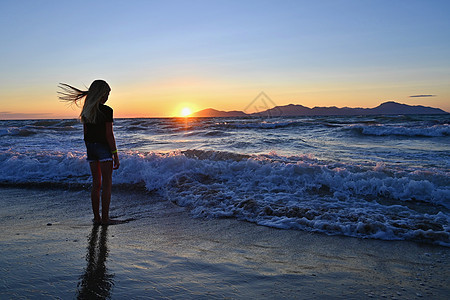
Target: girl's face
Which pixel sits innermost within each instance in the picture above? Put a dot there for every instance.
(104, 98)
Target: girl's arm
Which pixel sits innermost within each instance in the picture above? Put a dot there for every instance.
(84, 131)
(112, 144)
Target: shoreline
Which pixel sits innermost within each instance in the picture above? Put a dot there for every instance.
(165, 253)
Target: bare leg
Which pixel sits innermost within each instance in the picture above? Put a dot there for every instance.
(95, 192)
(106, 173)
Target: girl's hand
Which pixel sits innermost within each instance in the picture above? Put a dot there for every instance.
(116, 162)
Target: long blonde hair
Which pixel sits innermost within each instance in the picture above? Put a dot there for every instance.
(98, 90)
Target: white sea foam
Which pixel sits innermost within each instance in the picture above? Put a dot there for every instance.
(32, 167)
(284, 192)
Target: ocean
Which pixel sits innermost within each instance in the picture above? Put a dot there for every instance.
(371, 177)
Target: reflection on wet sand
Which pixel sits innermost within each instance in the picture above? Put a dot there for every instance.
(96, 283)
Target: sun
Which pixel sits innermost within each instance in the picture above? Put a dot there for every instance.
(186, 111)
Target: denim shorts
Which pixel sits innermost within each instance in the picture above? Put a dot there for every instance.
(98, 152)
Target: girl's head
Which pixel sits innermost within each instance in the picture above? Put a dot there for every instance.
(97, 94)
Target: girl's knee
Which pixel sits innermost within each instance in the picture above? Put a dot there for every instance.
(96, 185)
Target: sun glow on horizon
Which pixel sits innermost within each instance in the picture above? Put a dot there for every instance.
(186, 111)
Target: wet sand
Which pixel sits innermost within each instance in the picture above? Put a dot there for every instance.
(51, 249)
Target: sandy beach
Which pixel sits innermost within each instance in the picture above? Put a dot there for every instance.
(50, 249)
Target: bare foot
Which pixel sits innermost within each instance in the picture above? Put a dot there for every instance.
(112, 222)
(97, 221)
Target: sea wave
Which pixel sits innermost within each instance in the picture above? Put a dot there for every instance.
(297, 192)
(439, 130)
(260, 124)
(55, 123)
(30, 128)
(16, 131)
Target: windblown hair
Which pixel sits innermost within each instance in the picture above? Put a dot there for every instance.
(98, 90)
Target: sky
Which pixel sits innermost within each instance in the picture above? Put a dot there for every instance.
(162, 56)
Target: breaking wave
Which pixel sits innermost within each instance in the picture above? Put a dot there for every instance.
(296, 192)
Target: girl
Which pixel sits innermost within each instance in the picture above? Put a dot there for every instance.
(97, 119)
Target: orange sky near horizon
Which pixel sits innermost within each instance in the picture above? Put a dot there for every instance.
(167, 97)
(170, 101)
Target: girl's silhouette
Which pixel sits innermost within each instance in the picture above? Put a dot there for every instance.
(97, 119)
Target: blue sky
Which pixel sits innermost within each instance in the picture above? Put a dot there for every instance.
(159, 56)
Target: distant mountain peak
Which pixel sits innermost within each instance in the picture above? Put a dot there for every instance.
(214, 113)
(386, 108)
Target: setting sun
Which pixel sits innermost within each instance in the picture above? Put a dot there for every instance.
(186, 112)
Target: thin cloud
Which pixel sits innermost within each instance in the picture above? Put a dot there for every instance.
(421, 96)
(7, 115)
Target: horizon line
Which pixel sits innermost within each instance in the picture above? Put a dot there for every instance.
(47, 116)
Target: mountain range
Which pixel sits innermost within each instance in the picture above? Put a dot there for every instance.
(387, 108)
